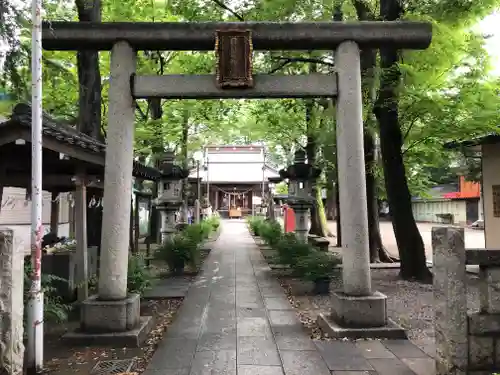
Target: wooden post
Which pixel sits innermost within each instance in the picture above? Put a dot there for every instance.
(54, 213)
(1, 197)
(136, 224)
(131, 226)
(81, 238)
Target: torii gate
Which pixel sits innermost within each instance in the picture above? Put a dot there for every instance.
(357, 305)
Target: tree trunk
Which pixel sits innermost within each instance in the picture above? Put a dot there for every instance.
(89, 76)
(378, 253)
(318, 226)
(368, 67)
(331, 206)
(410, 244)
(89, 114)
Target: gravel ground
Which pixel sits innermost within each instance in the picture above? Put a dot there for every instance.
(409, 303)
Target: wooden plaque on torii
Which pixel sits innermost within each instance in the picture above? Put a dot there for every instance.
(234, 58)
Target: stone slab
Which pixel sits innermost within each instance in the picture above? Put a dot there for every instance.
(390, 331)
(176, 371)
(404, 349)
(258, 351)
(260, 370)
(168, 288)
(342, 356)
(373, 349)
(303, 362)
(391, 366)
(421, 366)
(359, 312)
(132, 339)
(220, 362)
(173, 353)
(217, 341)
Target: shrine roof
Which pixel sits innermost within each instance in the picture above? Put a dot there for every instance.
(62, 137)
(493, 138)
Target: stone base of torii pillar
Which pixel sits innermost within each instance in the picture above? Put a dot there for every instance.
(357, 311)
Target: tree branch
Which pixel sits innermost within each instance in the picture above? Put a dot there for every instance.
(289, 60)
(225, 7)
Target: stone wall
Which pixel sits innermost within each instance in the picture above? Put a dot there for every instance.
(466, 342)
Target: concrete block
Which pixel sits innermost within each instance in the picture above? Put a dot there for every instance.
(493, 279)
(450, 299)
(334, 330)
(132, 338)
(481, 324)
(99, 316)
(359, 312)
(481, 352)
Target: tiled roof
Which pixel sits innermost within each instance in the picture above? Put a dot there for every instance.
(64, 132)
(487, 139)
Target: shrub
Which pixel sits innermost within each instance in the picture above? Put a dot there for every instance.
(138, 276)
(197, 232)
(54, 309)
(179, 250)
(271, 232)
(316, 266)
(290, 250)
(213, 221)
(255, 223)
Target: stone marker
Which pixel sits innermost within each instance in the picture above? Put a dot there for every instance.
(11, 305)
(450, 300)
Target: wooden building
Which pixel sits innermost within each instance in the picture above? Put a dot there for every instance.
(234, 178)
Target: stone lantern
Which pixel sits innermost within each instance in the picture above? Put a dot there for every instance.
(169, 198)
(301, 177)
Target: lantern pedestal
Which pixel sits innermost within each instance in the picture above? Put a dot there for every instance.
(168, 224)
(301, 209)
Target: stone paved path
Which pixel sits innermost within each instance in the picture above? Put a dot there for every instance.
(236, 320)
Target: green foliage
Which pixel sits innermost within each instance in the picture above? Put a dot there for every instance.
(316, 266)
(282, 188)
(271, 232)
(446, 92)
(213, 221)
(54, 309)
(179, 250)
(290, 251)
(197, 232)
(138, 276)
(256, 224)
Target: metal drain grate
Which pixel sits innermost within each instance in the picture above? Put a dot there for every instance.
(112, 367)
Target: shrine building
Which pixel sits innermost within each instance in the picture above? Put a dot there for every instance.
(234, 178)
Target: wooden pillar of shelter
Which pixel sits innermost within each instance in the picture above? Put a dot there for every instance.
(82, 265)
(136, 223)
(54, 212)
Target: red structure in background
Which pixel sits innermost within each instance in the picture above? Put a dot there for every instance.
(289, 217)
(468, 189)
